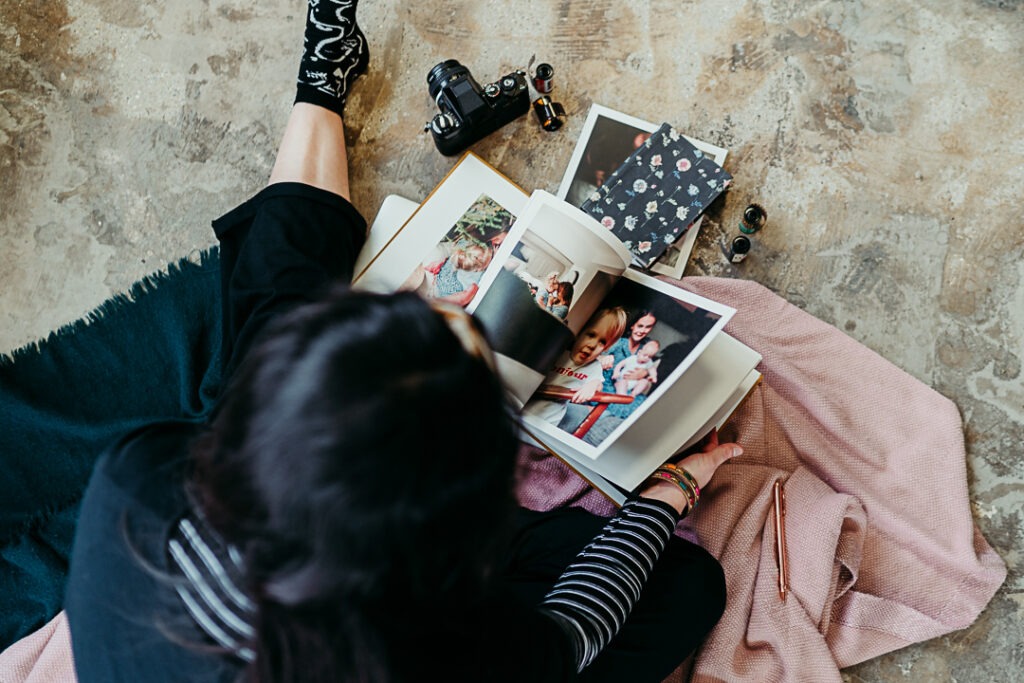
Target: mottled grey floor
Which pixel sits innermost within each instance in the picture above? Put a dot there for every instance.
(884, 138)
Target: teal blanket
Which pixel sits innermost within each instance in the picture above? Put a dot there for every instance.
(142, 356)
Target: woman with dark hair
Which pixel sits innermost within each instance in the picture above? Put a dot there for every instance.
(640, 325)
(560, 299)
(330, 521)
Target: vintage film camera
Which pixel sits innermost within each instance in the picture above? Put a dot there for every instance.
(469, 112)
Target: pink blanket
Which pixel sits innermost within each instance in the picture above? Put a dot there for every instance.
(883, 550)
(41, 657)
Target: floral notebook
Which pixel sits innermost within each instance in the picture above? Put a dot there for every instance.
(657, 194)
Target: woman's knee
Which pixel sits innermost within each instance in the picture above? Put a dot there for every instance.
(698, 581)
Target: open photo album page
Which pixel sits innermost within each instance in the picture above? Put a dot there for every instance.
(636, 344)
(551, 272)
(447, 245)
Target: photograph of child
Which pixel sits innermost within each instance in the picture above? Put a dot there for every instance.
(554, 291)
(553, 294)
(626, 355)
(643, 360)
(453, 269)
(543, 291)
(559, 298)
(578, 369)
(543, 285)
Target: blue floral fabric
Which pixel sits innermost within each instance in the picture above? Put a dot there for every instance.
(657, 194)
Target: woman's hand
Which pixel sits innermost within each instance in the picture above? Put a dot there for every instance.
(702, 465)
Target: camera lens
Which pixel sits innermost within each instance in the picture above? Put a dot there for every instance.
(442, 74)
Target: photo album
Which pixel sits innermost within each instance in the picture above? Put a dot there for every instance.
(614, 370)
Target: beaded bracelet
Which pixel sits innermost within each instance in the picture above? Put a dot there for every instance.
(689, 477)
(684, 486)
(683, 483)
(659, 477)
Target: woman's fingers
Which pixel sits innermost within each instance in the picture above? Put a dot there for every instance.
(711, 441)
(703, 465)
(723, 452)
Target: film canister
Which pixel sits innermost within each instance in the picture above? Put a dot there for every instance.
(550, 114)
(543, 77)
(754, 217)
(739, 248)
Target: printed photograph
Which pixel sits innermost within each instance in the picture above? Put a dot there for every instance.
(453, 268)
(548, 275)
(531, 309)
(665, 185)
(634, 346)
(606, 141)
(609, 144)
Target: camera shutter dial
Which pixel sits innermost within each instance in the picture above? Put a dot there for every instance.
(442, 123)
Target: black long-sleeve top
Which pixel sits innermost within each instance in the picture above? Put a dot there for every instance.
(150, 579)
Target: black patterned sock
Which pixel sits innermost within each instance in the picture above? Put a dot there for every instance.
(334, 54)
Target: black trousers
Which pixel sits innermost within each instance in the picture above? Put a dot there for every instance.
(679, 605)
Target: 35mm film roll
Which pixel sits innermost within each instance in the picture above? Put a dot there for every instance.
(543, 78)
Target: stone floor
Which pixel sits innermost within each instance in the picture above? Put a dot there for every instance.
(884, 139)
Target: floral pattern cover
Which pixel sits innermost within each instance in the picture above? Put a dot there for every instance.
(657, 194)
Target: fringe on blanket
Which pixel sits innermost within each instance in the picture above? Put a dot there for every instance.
(147, 354)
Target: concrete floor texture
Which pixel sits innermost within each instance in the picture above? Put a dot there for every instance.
(883, 138)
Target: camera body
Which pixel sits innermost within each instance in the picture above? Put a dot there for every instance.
(469, 112)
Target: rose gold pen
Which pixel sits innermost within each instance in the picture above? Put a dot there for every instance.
(779, 496)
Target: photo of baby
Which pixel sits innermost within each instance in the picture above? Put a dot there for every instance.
(453, 269)
(624, 357)
(550, 275)
(624, 371)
